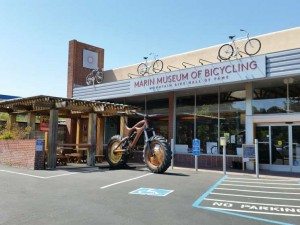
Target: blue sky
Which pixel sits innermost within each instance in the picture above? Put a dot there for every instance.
(35, 33)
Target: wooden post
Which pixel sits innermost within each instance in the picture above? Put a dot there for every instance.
(11, 121)
(31, 123)
(78, 130)
(52, 143)
(78, 135)
(46, 140)
(123, 122)
(100, 135)
(91, 139)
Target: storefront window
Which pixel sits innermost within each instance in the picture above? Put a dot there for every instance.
(294, 96)
(270, 100)
(232, 120)
(159, 110)
(185, 109)
(207, 122)
(203, 118)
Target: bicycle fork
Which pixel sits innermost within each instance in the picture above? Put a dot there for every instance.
(147, 142)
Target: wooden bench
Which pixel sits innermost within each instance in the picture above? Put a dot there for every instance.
(99, 158)
(71, 151)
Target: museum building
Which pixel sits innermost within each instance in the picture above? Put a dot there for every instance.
(201, 95)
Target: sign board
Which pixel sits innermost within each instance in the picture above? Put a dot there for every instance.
(196, 147)
(44, 123)
(248, 152)
(39, 145)
(90, 59)
(152, 192)
(212, 74)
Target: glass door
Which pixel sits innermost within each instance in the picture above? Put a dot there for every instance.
(262, 135)
(280, 145)
(296, 148)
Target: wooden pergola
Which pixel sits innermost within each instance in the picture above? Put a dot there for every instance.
(57, 107)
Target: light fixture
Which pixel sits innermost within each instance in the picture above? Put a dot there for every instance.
(289, 80)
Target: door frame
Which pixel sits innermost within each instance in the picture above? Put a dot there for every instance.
(270, 166)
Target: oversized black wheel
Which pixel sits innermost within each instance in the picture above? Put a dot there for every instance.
(114, 154)
(142, 69)
(157, 154)
(225, 52)
(158, 65)
(252, 46)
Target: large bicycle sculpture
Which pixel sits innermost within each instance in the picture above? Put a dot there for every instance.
(157, 152)
(94, 77)
(251, 47)
(156, 66)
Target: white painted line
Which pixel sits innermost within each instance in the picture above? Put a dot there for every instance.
(40, 177)
(245, 182)
(24, 174)
(271, 192)
(120, 182)
(247, 211)
(251, 196)
(251, 203)
(60, 175)
(241, 185)
(285, 180)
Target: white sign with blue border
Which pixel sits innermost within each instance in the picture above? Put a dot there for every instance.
(196, 147)
(151, 192)
(39, 145)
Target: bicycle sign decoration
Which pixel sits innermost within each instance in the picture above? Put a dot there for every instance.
(156, 66)
(94, 77)
(251, 47)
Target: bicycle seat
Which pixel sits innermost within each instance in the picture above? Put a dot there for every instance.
(231, 37)
(145, 58)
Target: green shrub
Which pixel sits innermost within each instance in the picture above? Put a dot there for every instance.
(15, 132)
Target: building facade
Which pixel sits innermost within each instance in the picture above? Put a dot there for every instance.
(198, 95)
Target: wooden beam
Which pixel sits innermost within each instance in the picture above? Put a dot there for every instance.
(91, 139)
(11, 121)
(123, 122)
(6, 110)
(31, 124)
(52, 142)
(78, 130)
(100, 135)
(23, 107)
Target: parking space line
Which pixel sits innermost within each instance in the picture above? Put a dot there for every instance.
(246, 216)
(271, 192)
(35, 176)
(264, 179)
(251, 203)
(208, 192)
(253, 196)
(23, 174)
(241, 185)
(120, 182)
(211, 202)
(245, 182)
(60, 175)
(247, 211)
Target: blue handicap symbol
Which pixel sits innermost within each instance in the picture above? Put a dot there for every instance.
(151, 192)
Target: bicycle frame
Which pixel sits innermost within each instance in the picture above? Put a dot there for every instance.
(147, 62)
(234, 45)
(140, 127)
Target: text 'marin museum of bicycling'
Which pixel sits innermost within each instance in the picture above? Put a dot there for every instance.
(242, 94)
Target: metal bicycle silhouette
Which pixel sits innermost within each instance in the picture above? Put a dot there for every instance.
(156, 66)
(94, 77)
(251, 47)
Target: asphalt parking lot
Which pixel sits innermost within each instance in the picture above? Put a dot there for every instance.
(135, 196)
